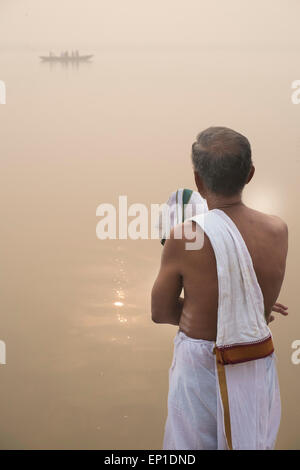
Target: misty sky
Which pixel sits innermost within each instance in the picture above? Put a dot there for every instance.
(41, 23)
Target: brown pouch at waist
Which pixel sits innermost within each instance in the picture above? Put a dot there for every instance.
(235, 354)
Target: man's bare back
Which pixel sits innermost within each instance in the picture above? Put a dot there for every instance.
(266, 238)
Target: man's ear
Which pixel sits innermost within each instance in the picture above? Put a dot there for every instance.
(251, 173)
(199, 183)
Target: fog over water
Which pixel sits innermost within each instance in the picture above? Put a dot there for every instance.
(86, 368)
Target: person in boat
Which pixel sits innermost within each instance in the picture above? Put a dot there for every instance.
(223, 383)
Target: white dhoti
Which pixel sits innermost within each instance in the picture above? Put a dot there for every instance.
(225, 394)
(192, 400)
(195, 410)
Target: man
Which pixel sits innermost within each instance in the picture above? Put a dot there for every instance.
(224, 391)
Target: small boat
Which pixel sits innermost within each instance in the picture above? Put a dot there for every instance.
(66, 58)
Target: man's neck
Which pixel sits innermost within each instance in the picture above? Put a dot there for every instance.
(215, 201)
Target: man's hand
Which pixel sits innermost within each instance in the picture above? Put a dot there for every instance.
(280, 308)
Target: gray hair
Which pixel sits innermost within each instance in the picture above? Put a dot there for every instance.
(222, 158)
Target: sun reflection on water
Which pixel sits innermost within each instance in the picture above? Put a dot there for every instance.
(122, 319)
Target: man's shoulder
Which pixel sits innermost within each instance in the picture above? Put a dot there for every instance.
(183, 236)
(272, 223)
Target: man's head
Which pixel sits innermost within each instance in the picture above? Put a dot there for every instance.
(222, 161)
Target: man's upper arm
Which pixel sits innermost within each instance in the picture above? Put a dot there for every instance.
(168, 284)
